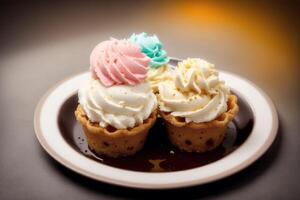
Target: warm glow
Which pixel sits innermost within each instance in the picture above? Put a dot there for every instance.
(261, 37)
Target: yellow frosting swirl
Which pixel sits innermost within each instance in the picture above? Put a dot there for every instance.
(158, 75)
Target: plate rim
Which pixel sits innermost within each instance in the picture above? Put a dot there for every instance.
(224, 174)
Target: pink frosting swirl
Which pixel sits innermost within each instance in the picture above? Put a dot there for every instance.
(118, 62)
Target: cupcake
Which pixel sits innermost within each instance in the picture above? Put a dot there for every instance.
(152, 48)
(196, 106)
(116, 106)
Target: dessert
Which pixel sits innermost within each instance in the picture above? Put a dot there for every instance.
(152, 48)
(116, 106)
(196, 106)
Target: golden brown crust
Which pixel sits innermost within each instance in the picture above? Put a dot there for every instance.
(199, 137)
(112, 142)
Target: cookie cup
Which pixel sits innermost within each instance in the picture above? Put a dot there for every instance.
(199, 137)
(112, 142)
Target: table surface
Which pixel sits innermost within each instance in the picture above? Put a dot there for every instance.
(43, 42)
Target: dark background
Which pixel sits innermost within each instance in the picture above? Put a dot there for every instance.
(43, 42)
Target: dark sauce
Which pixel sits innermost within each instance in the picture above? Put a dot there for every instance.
(158, 155)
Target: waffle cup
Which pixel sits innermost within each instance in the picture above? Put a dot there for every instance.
(112, 142)
(199, 137)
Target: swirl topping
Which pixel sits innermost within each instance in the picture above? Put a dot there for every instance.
(195, 92)
(152, 47)
(159, 75)
(121, 106)
(118, 62)
(196, 75)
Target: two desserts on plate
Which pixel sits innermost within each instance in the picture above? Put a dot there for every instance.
(131, 83)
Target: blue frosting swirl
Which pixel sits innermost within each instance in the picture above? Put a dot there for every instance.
(151, 47)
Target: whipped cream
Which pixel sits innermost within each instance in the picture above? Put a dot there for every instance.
(121, 106)
(194, 92)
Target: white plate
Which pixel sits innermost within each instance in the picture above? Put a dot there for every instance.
(263, 134)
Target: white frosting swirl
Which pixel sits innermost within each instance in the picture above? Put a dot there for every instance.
(196, 75)
(195, 93)
(121, 106)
